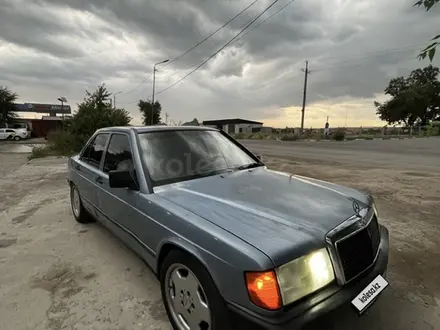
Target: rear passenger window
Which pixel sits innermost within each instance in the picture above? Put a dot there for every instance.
(93, 153)
(118, 155)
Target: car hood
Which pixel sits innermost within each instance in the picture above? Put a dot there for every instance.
(283, 216)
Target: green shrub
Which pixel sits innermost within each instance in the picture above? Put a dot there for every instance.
(65, 142)
(59, 143)
(239, 136)
(339, 135)
(432, 131)
(289, 137)
(39, 152)
(94, 113)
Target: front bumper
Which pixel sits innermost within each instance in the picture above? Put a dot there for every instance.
(320, 303)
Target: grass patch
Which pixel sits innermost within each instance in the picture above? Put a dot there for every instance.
(49, 150)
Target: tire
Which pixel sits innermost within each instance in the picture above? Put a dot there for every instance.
(191, 306)
(78, 210)
(17, 138)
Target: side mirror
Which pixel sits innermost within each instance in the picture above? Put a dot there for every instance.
(259, 157)
(122, 179)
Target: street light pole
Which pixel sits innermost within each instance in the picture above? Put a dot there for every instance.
(114, 99)
(62, 99)
(154, 87)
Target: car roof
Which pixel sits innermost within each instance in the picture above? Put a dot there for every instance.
(158, 128)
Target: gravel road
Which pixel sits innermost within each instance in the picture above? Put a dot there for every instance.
(57, 274)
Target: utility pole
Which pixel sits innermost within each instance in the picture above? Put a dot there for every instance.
(152, 102)
(154, 87)
(114, 99)
(306, 74)
(166, 118)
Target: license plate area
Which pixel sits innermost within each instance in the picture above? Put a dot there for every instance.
(368, 295)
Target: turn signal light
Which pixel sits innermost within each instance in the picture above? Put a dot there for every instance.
(263, 289)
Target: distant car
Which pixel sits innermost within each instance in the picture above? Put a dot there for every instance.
(8, 134)
(225, 234)
(19, 134)
(22, 128)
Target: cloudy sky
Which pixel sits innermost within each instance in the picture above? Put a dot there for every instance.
(52, 48)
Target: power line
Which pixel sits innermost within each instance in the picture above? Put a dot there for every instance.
(211, 34)
(249, 31)
(367, 55)
(352, 62)
(131, 90)
(265, 20)
(220, 49)
(196, 45)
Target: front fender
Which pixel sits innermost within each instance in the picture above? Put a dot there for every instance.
(169, 243)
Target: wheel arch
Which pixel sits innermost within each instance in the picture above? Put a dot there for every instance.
(169, 245)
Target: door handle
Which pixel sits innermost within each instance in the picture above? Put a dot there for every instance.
(99, 180)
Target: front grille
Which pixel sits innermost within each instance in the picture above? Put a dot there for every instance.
(358, 251)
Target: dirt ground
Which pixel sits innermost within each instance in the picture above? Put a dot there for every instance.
(57, 274)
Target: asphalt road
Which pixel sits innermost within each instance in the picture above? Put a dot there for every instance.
(412, 154)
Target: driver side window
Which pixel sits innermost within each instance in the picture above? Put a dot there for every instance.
(93, 153)
(118, 155)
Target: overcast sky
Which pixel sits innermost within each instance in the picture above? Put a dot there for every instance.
(52, 48)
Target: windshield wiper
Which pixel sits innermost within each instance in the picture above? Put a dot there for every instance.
(248, 166)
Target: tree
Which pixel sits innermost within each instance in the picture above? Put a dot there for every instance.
(415, 100)
(146, 110)
(193, 122)
(431, 48)
(7, 106)
(96, 112)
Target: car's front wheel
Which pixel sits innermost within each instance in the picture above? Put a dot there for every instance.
(191, 299)
(17, 138)
(79, 212)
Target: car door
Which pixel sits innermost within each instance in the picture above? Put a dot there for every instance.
(10, 133)
(2, 134)
(87, 172)
(119, 205)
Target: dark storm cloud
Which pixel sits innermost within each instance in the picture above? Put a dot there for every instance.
(34, 29)
(173, 26)
(35, 25)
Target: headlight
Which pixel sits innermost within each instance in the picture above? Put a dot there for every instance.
(304, 275)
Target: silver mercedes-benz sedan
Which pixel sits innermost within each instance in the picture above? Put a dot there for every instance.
(225, 235)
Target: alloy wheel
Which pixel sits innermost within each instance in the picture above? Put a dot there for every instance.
(186, 299)
(76, 202)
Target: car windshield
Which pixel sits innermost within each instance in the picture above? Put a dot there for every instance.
(174, 156)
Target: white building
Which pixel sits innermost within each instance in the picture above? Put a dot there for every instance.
(234, 126)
